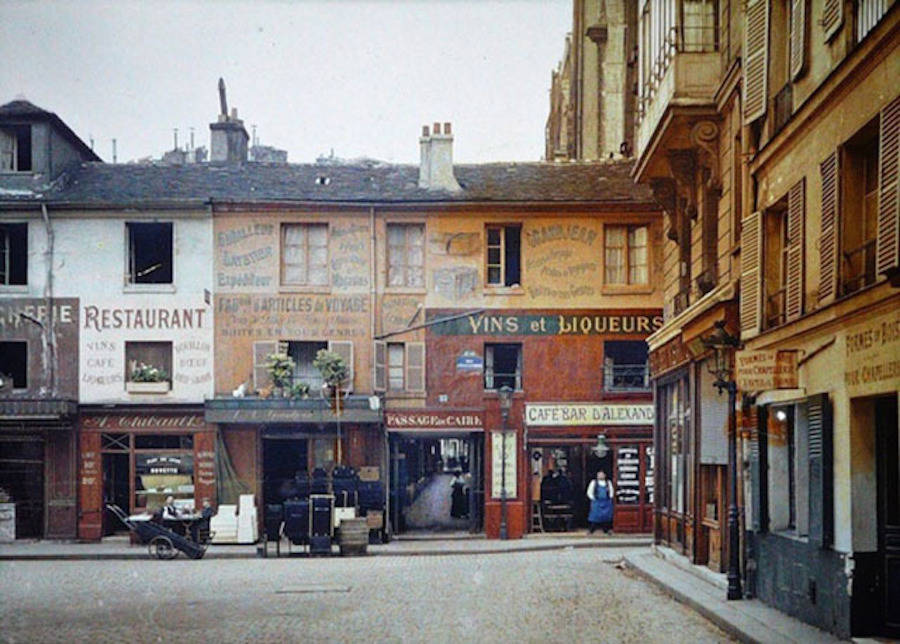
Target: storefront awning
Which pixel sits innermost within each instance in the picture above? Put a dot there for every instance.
(56, 412)
(355, 409)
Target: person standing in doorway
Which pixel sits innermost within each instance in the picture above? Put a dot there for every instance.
(600, 492)
(458, 507)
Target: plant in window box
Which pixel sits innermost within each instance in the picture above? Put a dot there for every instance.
(281, 370)
(299, 390)
(147, 379)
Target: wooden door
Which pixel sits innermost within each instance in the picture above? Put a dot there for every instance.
(61, 506)
(889, 513)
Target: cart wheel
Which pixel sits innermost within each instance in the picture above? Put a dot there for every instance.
(162, 548)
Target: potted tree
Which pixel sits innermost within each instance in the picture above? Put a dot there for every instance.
(147, 379)
(281, 369)
(333, 369)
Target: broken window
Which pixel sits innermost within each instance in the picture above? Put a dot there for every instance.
(625, 366)
(304, 254)
(148, 362)
(406, 255)
(626, 255)
(15, 148)
(149, 253)
(503, 366)
(503, 255)
(303, 354)
(14, 364)
(13, 254)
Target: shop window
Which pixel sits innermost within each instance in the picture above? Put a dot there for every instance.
(625, 260)
(775, 260)
(163, 441)
(625, 366)
(859, 210)
(13, 254)
(788, 471)
(148, 362)
(674, 406)
(14, 364)
(149, 253)
(158, 475)
(503, 261)
(115, 442)
(406, 255)
(15, 148)
(503, 366)
(304, 354)
(304, 254)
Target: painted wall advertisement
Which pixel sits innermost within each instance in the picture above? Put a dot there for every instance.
(765, 370)
(503, 459)
(872, 355)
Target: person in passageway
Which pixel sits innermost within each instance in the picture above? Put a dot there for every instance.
(458, 506)
(600, 492)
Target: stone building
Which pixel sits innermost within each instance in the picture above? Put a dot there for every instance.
(767, 133)
(592, 103)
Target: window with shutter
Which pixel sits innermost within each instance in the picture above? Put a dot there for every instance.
(380, 364)
(756, 48)
(796, 215)
(345, 350)
(751, 278)
(261, 351)
(828, 234)
(415, 366)
(888, 236)
(832, 17)
(798, 37)
(821, 494)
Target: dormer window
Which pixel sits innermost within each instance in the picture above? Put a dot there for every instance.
(15, 148)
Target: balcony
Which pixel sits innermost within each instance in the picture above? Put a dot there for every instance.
(618, 378)
(679, 79)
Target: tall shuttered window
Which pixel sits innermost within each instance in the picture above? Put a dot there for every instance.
(756, 48)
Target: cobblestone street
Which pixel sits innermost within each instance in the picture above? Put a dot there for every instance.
(564, 595)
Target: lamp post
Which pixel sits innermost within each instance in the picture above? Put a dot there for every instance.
(723, 344)
(505, 396)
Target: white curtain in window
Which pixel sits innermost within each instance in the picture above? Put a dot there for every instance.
(294, 255)
(395, 366)
(637, 255)
(615, 255)
(318, 254)
(7, 151)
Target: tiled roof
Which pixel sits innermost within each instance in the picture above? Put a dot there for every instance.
(101, 184)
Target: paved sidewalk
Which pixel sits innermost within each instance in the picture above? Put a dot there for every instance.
(119, 548)
(703, 590)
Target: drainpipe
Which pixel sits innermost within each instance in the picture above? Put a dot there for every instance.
(49, 332)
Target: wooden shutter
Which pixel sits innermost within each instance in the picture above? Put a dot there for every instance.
(759, 497)
(756, 53)
(344, 349)
(828, 261)
(261, 351)
(380, 376)
(821, 484)
(415, 366)
(798, 37)
(887, 254)
(751, 275)
(832, 17)
(796, 215)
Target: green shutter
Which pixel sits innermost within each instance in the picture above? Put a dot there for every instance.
(821, 484)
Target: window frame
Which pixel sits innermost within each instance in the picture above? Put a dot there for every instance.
(515, 286)
(169, 368)
(406, 286)
(628, 263)
(9, 341)
(6, 251)
(306, 286)
(399, 348)
(130, 286)
(490, 374)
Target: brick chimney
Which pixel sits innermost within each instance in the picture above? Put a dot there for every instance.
(436, 153)
(227, 137)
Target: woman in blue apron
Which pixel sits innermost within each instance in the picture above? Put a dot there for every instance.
(600, 492)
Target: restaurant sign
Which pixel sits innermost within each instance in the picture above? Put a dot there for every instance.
(573, 414)
(434, 421)
(766, 370)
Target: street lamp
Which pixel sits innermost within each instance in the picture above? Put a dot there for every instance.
(505, 395)
(723, 344)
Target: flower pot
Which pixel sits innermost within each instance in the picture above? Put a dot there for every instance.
(147, 387)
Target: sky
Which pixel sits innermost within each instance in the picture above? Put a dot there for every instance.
(360, 78)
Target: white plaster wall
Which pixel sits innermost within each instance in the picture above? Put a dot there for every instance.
(37, 259)
(91, 258)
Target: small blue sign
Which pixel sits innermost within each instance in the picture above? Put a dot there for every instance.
(469, 361)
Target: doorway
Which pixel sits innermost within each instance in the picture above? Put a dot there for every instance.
(116, 489)
(888, 472)
(22, 476)
(285, 462)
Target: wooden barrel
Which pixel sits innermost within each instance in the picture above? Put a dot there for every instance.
(353, 538)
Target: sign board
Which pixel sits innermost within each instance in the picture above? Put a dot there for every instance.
(549, 324)
(499, 449)
(872, 355)
(628, 481)
(765, 370)
(469, 361)
(436, 421)
(573, 414)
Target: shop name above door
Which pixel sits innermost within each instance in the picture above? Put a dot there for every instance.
(136, 421)
(437, 420)
(552, 324)
(573, 414)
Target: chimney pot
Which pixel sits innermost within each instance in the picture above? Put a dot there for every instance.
(436, 166)
(234, 113)
(437, 128)
(424, 130)
(446, 128)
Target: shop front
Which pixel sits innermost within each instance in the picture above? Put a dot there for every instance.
(437, 469)
(136, 458)
(568, 443)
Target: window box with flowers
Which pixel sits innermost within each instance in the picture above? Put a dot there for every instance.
(147, 379)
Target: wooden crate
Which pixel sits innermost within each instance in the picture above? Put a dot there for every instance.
(375, 519)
